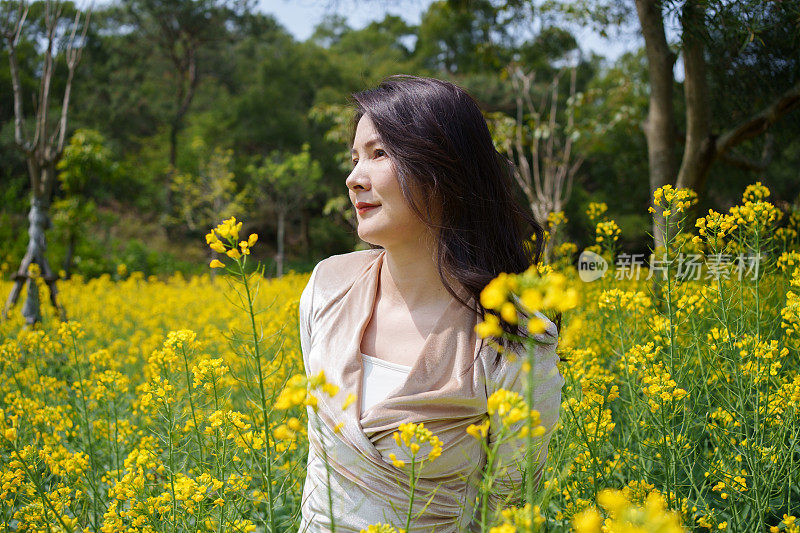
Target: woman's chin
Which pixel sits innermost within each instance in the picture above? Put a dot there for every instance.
(369, 237)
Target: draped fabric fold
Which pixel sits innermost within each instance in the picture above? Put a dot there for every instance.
(446, 388)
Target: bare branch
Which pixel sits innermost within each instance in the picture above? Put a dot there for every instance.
(51, 23)
(73, 55)
(549, 172)
(12, 37)
(526, 82)
(570, 176)
(551, 137)
(524, 166)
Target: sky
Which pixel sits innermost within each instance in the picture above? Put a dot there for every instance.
(300, 16)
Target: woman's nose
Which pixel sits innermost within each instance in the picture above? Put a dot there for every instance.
(357, 179)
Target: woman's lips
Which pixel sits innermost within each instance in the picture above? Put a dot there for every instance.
(364, 209)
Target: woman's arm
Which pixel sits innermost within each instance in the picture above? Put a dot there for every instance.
(510, 462)
(305, 312)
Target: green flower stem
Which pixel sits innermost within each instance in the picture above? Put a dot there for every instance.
(46, 503)
(327, 473)
(412, 490)
(170, 423)
(191, 405)
(221, 460)
(530, 488)
(93, 479)
(261, 389)
(488, 480)
(117, 462)
(635, 434)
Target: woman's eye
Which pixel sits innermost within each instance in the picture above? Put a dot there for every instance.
(378, 153)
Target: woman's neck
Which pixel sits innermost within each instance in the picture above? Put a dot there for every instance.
(409, 276)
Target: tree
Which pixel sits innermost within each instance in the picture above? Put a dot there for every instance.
(45, 146)
(765, 25)
(364, 57)
(182, 31)
(336, 119)
(703, 145)
(85, 167)
(752, 30)
(539, 144)
(286, 180)
(279, 80)
(460, 39)
(210, 194)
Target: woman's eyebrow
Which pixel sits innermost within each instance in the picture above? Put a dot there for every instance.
(367, 144)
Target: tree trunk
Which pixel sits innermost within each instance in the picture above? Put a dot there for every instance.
(281, 235)
(42, 150)
(38, 222)
(717, 146)
(699, 148)
(659, 126)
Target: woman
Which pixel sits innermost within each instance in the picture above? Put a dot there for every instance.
(393, 326)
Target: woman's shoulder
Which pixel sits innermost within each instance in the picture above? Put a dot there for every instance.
(340, 267)
(350, 258)
(334, 275)
(510, 372)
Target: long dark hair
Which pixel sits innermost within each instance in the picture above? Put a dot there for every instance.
(448, 169)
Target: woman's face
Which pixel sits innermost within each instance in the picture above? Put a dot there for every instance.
(373, 180)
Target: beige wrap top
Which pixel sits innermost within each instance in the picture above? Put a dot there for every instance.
(443, 389)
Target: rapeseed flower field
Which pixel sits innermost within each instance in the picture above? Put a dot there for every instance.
(180, 404)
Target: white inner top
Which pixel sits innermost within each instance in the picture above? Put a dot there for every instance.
(379, 379)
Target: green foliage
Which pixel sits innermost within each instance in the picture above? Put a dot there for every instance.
(462, 38)
(286, 180)
(86, 165)
(270, 111)
(85, 169)
(209, 194)
(137, 256)
(263, 95)
(12, 194)
(337, 120)
(363, 57)
(551, 44)
(614, 101)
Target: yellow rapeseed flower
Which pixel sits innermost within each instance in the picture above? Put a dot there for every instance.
(282, 432)
(412, 435)
(480, 430)
(348, 401)
(595, 210)
(490, 327)
(396, 462)
(588, 521)
(382, 528)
